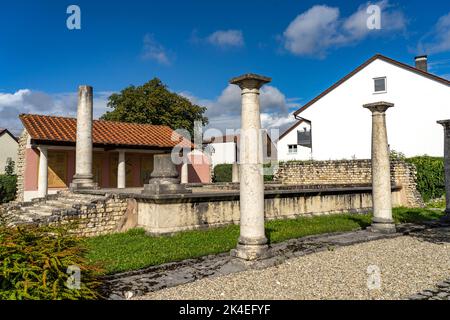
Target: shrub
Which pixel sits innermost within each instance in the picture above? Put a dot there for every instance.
(34, 262)
(8, 187)
(222, 173)
(430, 176)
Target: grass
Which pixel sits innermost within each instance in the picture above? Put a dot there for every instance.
(135, 250)
(436, 203)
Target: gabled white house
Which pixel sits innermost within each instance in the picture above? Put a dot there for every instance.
(340, 128)
(8, 149)
(295, 142)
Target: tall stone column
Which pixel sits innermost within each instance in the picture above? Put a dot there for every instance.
(252, 241)
(381, 170)
(121, 171)
(83, 178)
(43, 172)
(446, 125)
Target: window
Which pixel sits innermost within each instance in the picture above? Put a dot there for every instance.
(380, 85)
(292, 149)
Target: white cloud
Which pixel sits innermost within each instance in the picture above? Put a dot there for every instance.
(314, 32)
(36, 102)
(438, 39)
(226, 38)
(224, 112)
(154, 51)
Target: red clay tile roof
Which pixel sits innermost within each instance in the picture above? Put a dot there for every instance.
(53, 129)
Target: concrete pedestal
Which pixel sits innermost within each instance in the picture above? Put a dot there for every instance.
(164, 178)
(381, 170)
(235, 173)
(252, 241)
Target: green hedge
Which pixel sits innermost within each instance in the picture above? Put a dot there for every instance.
(430, 176)
(8, 187)
(222, 173)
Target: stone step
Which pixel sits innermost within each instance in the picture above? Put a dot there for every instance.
(38, 211)
(66, 203)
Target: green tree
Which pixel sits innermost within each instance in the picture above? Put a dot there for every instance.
(9, 168)
(153, 103)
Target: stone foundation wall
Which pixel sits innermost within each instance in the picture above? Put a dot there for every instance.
(350, 172)
(20, 165)
(104, 217)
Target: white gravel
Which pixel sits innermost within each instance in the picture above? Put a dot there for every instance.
(407, 266)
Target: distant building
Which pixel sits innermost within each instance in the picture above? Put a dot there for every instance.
(56, 136)
(8, 148)
(340, 128)
(225, 149)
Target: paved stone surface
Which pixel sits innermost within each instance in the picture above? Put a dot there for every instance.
(152, 279)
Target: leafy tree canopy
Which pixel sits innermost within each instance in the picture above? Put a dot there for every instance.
(153, 103)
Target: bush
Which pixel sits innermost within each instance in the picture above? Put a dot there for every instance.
(34, 262)
(430, 176)
(222, 173)
(8, 188)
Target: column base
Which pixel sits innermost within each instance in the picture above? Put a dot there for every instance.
(251, 249)
(165, 189)
(382, 226)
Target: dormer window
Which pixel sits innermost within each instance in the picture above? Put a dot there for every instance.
(380, 85)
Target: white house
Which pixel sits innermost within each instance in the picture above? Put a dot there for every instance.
(340, 128)
(295, 142)
(8, 148)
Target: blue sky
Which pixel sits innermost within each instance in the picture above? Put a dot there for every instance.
(196, 46)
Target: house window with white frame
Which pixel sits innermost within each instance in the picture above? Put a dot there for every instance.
(380, 85)
(292, 149)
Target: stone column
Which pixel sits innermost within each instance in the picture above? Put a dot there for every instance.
(381, 170)
(83, 177)
(121, 171)
(446, 125)
(43, 172)
(252, 241)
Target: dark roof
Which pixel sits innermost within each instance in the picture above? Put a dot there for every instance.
(293, 127)
(365, 64)
(53, 129)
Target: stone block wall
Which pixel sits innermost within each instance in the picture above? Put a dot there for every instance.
(20, 165)
(350, 172)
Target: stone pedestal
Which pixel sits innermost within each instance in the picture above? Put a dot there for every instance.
(184, 172)
(252, 241)
(83, 178)
(446, 125)
(381, 172)
(164, 178)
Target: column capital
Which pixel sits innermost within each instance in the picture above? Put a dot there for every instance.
(250, 81)
(444, 123)
(378, 107)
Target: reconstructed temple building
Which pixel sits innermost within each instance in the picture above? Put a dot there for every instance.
(52, 139)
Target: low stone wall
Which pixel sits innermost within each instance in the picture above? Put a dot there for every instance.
(169, 214)
(349, 172)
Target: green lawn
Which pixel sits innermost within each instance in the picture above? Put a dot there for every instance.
(135, 250)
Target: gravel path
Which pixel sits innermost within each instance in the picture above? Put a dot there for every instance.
(408, 265)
